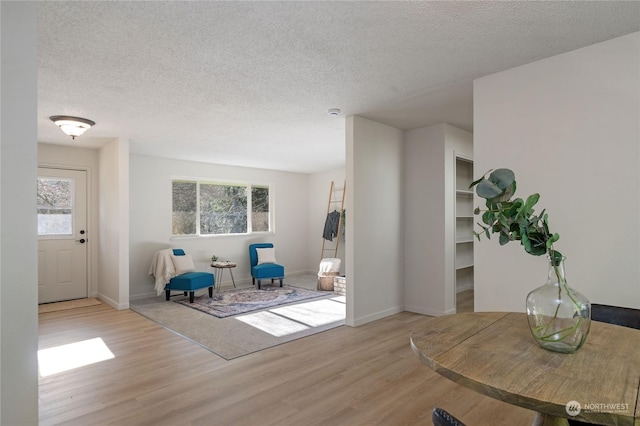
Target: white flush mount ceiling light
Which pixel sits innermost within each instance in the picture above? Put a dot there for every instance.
(334, 111)
(72, 126)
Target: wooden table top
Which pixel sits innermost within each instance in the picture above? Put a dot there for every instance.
(494, 354)
(220, 264)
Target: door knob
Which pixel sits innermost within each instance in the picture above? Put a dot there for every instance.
(81, 241)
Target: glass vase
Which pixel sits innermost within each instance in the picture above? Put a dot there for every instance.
(559, 317)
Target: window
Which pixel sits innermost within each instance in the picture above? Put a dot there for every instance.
(55, 202)
(214, 208)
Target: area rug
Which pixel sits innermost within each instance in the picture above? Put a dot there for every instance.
(241, 300)
(68, 304)
(243, 334)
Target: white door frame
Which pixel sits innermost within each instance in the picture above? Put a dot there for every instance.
(91, 226)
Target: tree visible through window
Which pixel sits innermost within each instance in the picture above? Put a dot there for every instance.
(209, 208)
(185, 203)
(223, 209)
(54, 206)
(260, 208)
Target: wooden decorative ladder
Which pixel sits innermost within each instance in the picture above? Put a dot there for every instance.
(336, 198)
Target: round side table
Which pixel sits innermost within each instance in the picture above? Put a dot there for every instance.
(221, 266)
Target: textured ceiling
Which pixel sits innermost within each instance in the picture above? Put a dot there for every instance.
(250, 83)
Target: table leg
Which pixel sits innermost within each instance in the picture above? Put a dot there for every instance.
(219, 279)
(542, 419)
(232, 280)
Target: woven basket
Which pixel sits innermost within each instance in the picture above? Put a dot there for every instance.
(325, 281)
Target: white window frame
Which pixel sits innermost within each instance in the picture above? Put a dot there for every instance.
(210, 181)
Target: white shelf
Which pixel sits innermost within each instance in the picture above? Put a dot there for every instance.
(464, 174)
(459, 267)
(464, 205)
(464, 231)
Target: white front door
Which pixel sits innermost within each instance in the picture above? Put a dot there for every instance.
(62, 235)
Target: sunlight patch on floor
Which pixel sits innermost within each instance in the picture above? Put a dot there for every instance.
(295, 318)
(272, 323)
(314, 314)
(73, 355)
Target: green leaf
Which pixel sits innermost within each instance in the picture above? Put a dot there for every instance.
(531, 201)
(504, 239)
(526, 242)
(502, 178)
(475, 182)
(508, 193)
(487, 217)
(488, 190)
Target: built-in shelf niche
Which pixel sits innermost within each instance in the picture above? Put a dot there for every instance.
(464, 236)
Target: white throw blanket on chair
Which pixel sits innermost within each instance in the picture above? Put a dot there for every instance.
(162, 269)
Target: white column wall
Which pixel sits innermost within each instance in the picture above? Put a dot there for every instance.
(18, 244)
(569, 128)
(374, 226)
(113, 257)
(424, 228)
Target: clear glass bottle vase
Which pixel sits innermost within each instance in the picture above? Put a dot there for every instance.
(559, 317)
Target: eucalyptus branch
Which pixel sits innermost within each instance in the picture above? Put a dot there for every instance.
(513, 219)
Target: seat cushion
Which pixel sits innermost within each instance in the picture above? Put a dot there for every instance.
(191, 281)
(267, 270)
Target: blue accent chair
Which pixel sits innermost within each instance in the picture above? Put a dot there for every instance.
(189, 282)
(265, 270)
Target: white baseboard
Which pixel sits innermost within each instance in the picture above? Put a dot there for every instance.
(426, 311)
(113, 303)
(355, 322)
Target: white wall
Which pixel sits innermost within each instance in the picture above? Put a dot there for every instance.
(113, 218)
(374, 220)
(18, 245)
(424, 228)
(319, 185)
(429, 216)
(150, 183)
(80, 159)
(568, 127)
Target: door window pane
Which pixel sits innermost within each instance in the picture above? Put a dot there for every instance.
(55, 204)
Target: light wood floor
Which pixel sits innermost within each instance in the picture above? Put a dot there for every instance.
(366, 375)
(464, 301)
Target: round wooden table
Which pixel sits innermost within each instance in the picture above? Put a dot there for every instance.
(494, 354)
(221, 265)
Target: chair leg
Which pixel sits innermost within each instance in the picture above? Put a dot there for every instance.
(191, 294)
(259, 282)
(253, 281)
(167, 294)
(280, 282)
(210, 292)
